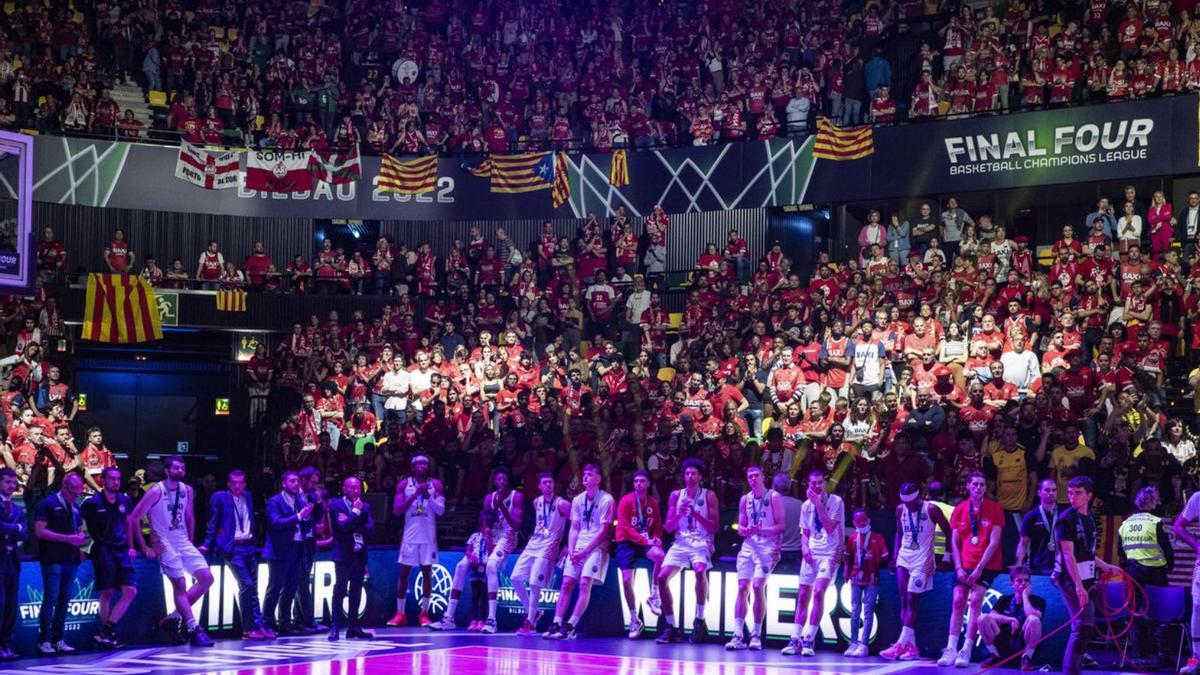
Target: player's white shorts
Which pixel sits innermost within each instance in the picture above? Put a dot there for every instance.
(822, 567)
(536, 567)
(418, 555)
(919, 581)
(504, 545)
(594, 567)
(682, 554)
(180, 560)
(756, 563)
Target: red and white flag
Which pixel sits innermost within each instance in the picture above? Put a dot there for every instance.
(337, 166)
(279, 170)
(210, 170)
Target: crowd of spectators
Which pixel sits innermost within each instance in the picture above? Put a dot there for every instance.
(459, 76)
(945, 346)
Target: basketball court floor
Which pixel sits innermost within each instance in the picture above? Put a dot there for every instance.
(420, 652)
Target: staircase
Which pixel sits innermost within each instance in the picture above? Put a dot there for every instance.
(129, 97)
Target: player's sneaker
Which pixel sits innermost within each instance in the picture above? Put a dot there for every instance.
(399, 620)
(736, 644)
(755, 643)
(552, 633)
(792, 648)
(445, 624)
(488, 626)
(699, 632)
(669, 635)
(424, 619)
(911, 653)
(636, 628)
(655, 605)
(949, 656)
(852, 650)
(1192, 667)
(893, 652)
(964, 657)
(526, 628)
(806, 648)
(568, 632)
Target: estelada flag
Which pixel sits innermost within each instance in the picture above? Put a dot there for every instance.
(231, 300)
(618, 173)
(562, 186)
(120, 309)
(279, 171)
(336, 167)
(482, 169)
(525, 172)
(209, 170)
(842, 144)
(412, 177)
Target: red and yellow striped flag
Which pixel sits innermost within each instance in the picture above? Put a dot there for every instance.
(483, 169)
(524, 172)
(618, 173)
(120, 309)
(841, 144)
(231, 300)
(408, 178)
(562, 186)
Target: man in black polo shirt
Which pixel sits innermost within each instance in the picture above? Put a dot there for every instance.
(59, 526)
(1015, 622)
(1037, 547)
(106, 514)
(1076, 569)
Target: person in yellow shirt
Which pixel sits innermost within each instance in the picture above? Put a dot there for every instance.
(1069, 458)
(1012, 469)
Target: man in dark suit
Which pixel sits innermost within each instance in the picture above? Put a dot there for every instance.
(230, 538)
(310, 481)
(289, 517)
(12, 533)
(352, 524)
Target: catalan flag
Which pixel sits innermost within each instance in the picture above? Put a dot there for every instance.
(120, 309)
(482, 169)
(618, 173)
(232, 300)
(841, 144)
(562, 186)
(408, 178)
(525, 172)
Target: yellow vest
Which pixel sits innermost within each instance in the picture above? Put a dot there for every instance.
(1139, 539)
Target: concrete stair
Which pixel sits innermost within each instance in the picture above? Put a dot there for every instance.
(129, 97)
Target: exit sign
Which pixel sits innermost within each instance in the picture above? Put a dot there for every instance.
(222, 407)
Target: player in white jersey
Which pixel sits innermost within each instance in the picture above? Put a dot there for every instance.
(505, 504)
(916, 522)
(760, 524)
(1191, 514)
(592, 513)
(822, 540)
(168, 504)
(535, 566)
(693, 516)
(419, 498)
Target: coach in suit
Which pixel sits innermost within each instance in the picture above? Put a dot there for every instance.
(230, 538)
(289, 517)
(13, 532)
(352, 524)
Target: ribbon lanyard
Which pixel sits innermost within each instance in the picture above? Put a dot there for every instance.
(547, 509)
(420, 497)
(818, 527)
(70, 510)
(588, 506)
(1049, 524)
(861, 551)
(914, 524)
(640, 523)
(174, 507)
(974, 522)
(692, 512)
(756, 508)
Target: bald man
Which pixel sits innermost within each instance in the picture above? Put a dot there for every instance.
(352, 526)
(58, 524)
